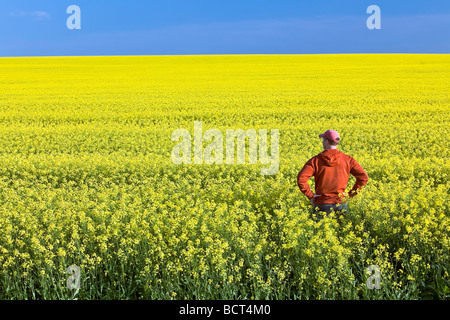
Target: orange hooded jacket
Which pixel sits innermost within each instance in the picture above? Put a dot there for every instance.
(331, 170)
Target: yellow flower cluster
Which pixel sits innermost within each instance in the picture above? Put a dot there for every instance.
(86, 177)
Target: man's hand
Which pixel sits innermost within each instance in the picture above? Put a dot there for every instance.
(314, 197)
(344, 196)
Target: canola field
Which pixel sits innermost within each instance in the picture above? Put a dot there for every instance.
(87, 178)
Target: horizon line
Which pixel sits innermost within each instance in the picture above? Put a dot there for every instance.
(226, 54)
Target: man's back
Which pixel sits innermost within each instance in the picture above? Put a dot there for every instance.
(331, 170)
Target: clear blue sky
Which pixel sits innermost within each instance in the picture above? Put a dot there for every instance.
(172, 27)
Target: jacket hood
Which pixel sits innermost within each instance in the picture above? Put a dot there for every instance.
(330, 157)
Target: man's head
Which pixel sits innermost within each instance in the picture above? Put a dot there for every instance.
(330, 139)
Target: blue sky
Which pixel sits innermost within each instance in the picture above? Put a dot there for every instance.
(177, 27)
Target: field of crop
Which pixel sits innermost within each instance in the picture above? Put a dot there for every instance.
(87, 179)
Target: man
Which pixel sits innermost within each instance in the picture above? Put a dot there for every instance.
(331, 170)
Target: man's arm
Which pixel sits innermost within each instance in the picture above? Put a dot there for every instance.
(361, 178)
(303, 177)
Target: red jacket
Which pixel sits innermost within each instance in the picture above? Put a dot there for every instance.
(331, 170)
